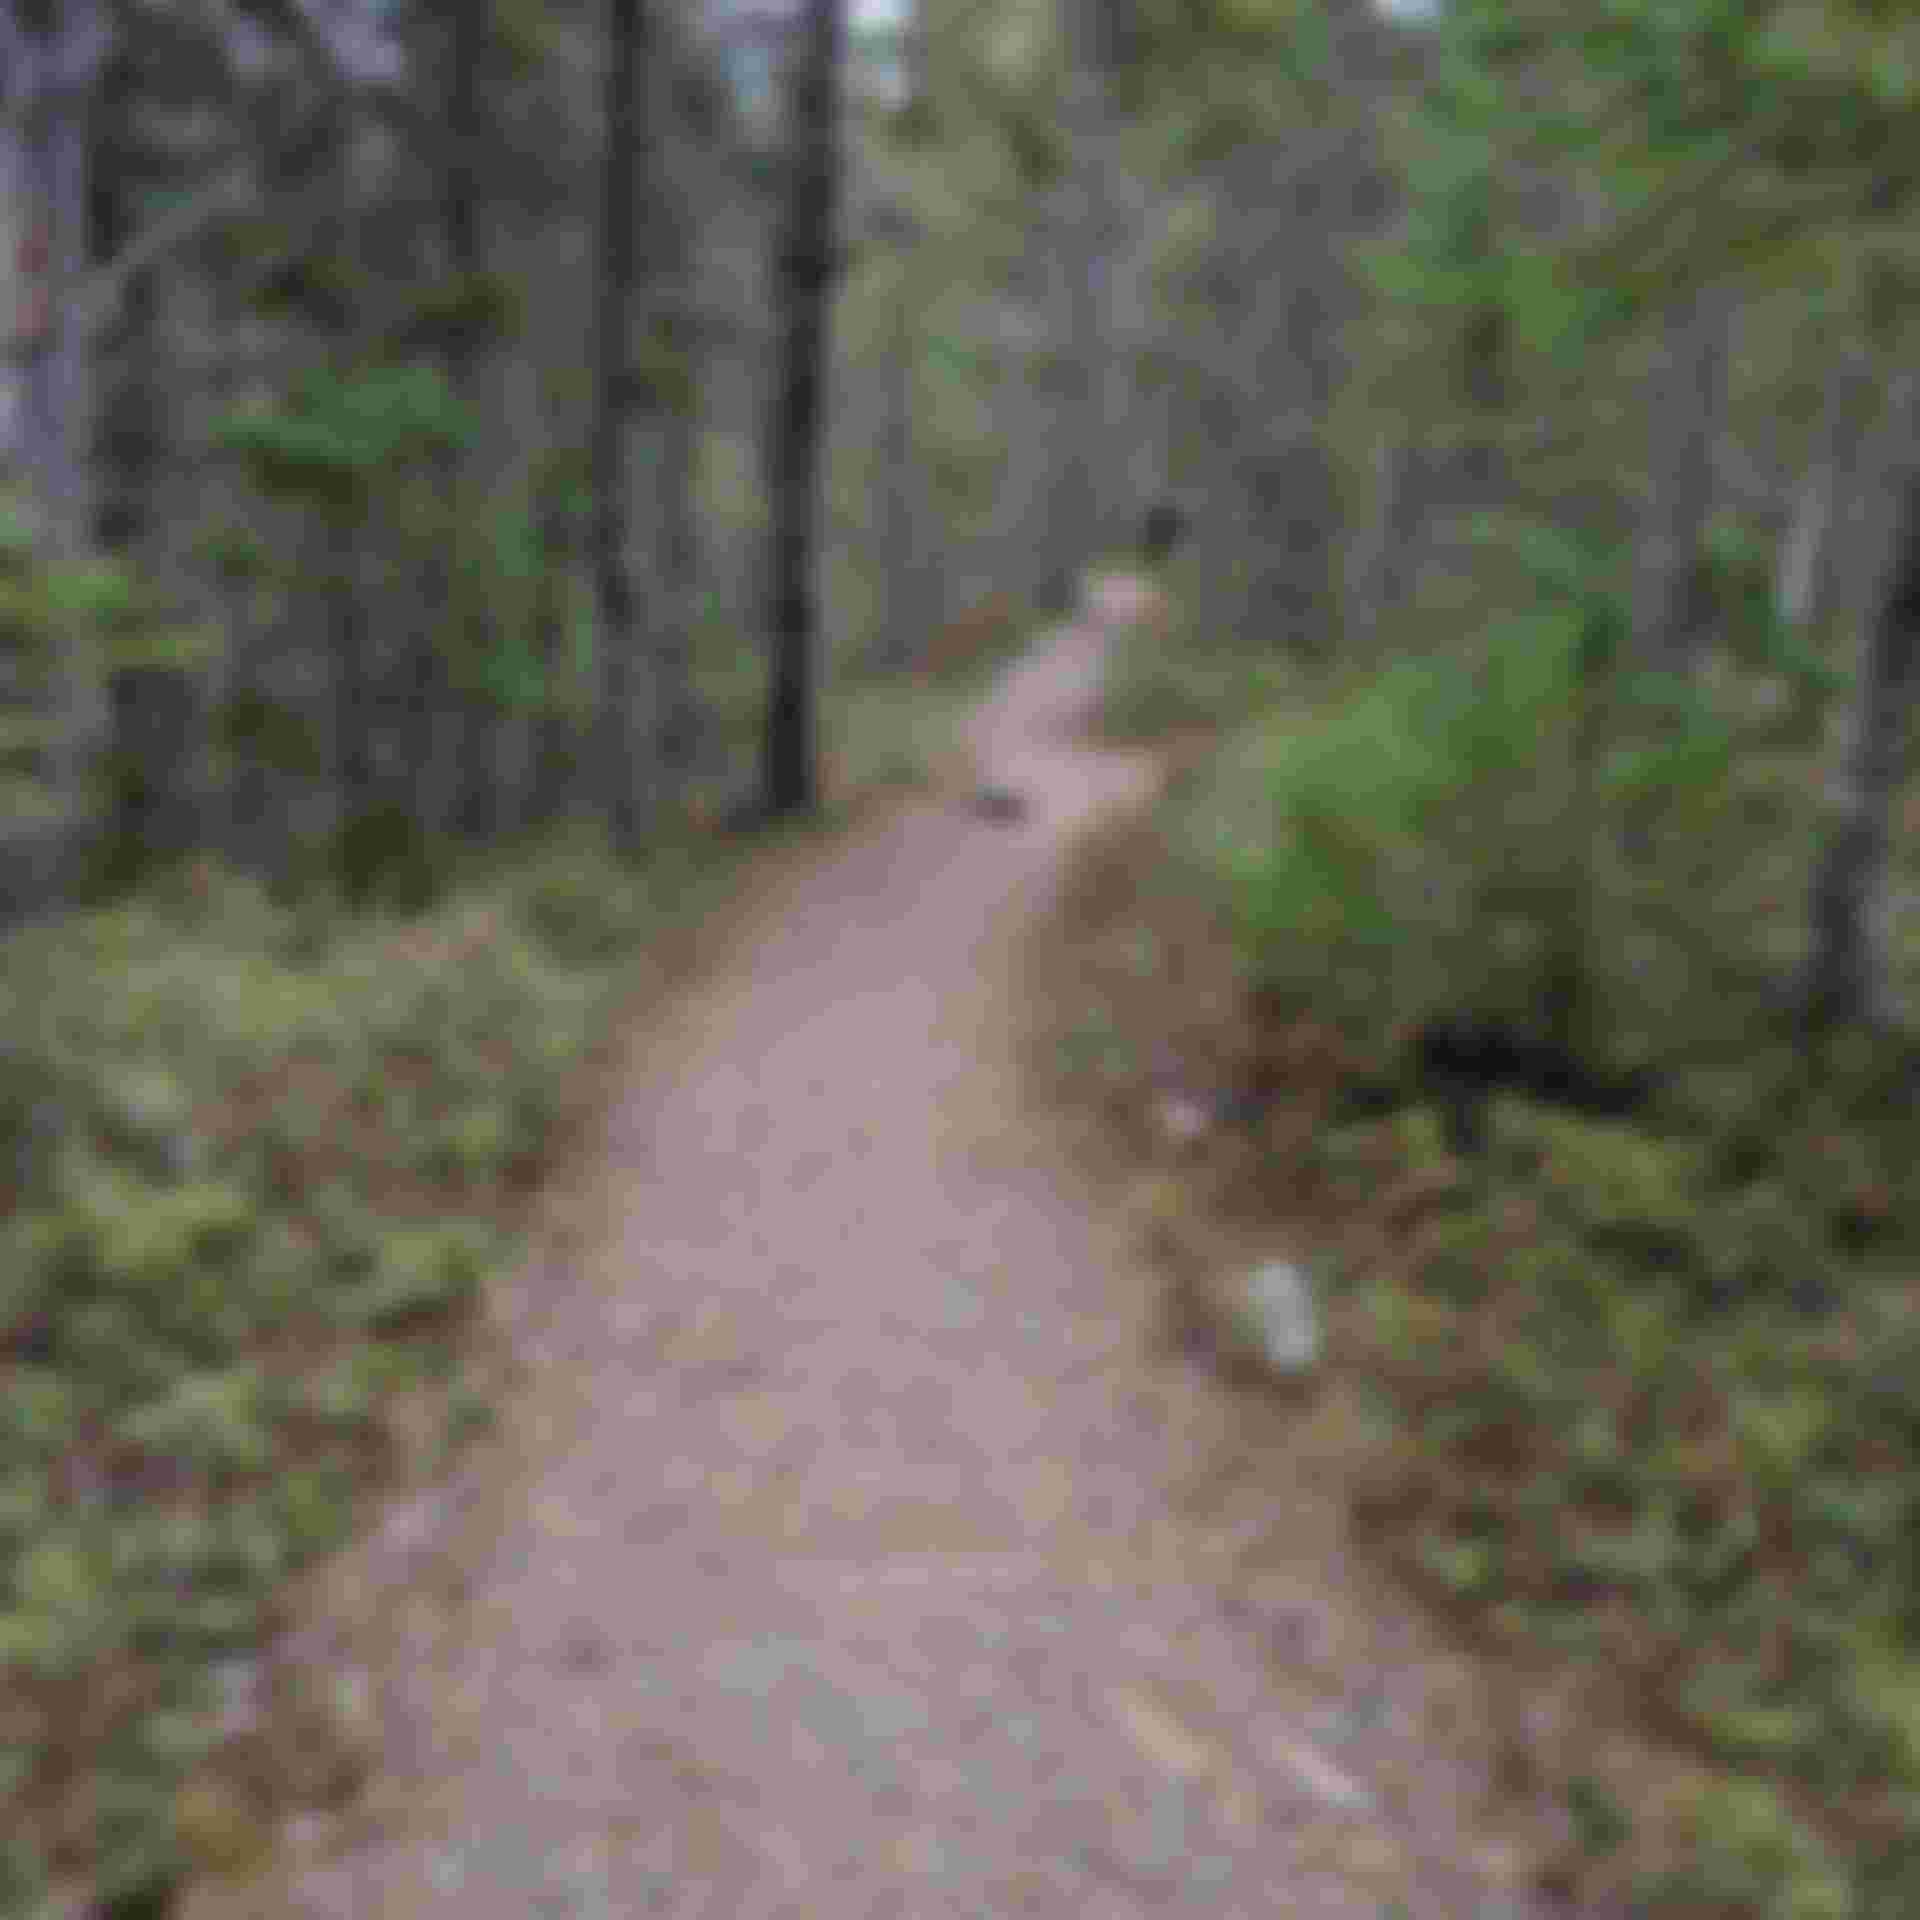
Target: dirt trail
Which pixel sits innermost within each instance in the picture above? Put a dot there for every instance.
(841, 1571)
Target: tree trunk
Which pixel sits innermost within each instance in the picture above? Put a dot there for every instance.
(50, 58)
(156, 710)
(1387, 573)
(1845, 977)
(1080, 512)
(806, 265)
(1273, 518)
(1675, 616)
(619, 747)
(1806, 591)
(340, 610)
(676, 358)
(447, 725)
(555, 774)
(1017, 559)
(903, 619)
(128, 445)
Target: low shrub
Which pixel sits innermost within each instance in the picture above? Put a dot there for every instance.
(258, 1165)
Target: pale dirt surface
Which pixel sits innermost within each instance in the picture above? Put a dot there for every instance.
(843, 1554)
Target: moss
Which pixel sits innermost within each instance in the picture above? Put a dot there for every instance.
(421, 1271)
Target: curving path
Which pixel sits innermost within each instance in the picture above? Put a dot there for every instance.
(841, 1571)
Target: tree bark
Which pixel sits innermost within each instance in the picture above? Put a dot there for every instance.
(156, 711)
(619, 745)
(1080, 511)
(806, 265)
(904, 618)
(51, 59)
(1807, 588)
(672, 427)
(1845, 977)
(1675, 615)
(449, 729)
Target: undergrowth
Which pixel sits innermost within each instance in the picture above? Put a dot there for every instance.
(260, 1164)
(1640, 1385)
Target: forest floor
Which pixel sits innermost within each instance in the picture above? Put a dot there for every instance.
(845, 1548)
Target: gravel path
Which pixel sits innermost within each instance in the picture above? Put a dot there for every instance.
(840, 1573)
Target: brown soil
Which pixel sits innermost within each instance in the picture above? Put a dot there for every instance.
(845, 1550)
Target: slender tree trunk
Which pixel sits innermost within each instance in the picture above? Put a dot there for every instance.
(1486, 392)
(156, 708)
(682, 725)
(1273, 517)
(340, 606)
(1845, 978)
(1080, 513)
(1806, 591)
(1675, 616)
(51, 58)
(1017, 559)
(806, 265)
(902, 618)
(1073, 500)
(678, 359)
(619, 748)
(1389, 568)
(555, 790)
(128, 443)
(445, 725)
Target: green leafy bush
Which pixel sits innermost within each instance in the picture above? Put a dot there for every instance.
(1656, 1409)
(1504, 833)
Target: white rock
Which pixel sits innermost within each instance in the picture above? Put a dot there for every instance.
(1279, 1298)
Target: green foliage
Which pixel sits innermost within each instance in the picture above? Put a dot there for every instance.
(336, 439)
(500, 564)
(1650, 1412)
(1756, 1856)
(384, 857)
(422, 1271)
(93, 610)
(583, 912)
(459, 317)
(1446, 834)
(270, 732)
(264, 1164)
(1742, 572)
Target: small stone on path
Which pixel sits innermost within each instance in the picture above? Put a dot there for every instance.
(997, 803)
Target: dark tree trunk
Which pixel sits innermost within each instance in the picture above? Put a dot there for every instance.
(445, 722)
(678, 735)
(1845, 978)
(50, 61)
(1677, 609)
(157, 724)
(677, 354)
(902, 615)
(128, 440)
(1812, 586)
(805, 266)
(555, 790)
(360, 851)
(619, 770)
(156, 710)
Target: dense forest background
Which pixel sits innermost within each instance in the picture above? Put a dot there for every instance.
(454, 459)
